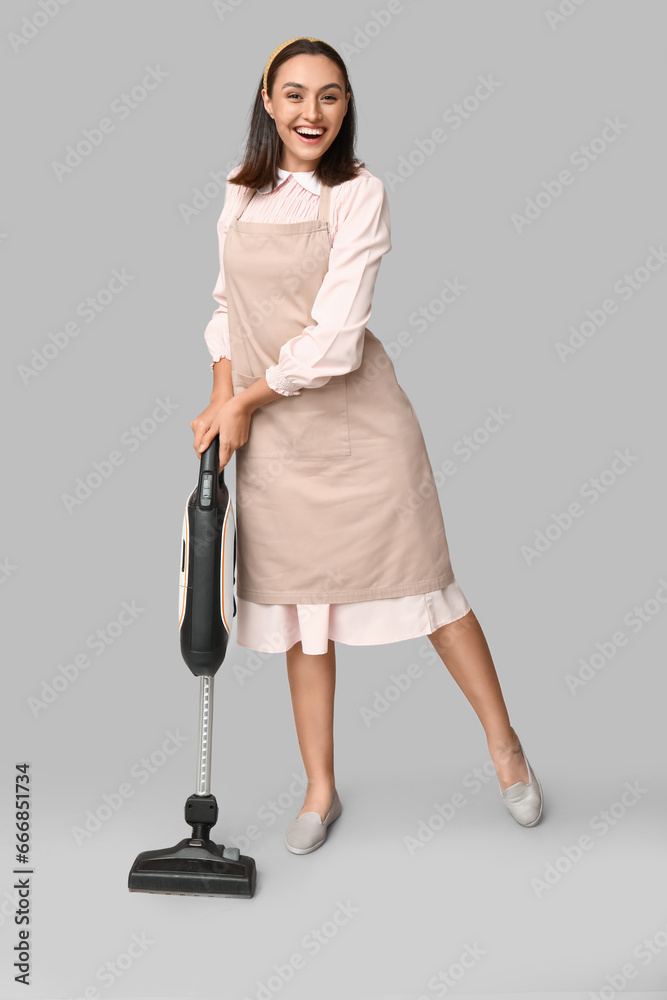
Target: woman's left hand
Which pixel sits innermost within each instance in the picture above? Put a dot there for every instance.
(231, 421)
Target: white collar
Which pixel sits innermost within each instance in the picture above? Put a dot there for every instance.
(306, 179)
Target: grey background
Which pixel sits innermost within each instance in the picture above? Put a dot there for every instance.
(67, 574)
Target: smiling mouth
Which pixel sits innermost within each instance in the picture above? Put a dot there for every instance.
(306, 135)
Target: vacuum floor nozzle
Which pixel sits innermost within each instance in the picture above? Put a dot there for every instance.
(194, 867)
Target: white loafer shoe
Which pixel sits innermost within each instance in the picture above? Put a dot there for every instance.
(524, 799)
(308, 832)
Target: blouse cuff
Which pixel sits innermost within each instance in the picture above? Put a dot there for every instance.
(215, 360)
(279, 383)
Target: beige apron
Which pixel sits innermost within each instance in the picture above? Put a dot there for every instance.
(335, 495)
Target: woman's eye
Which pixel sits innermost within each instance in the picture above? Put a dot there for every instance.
(332, 96)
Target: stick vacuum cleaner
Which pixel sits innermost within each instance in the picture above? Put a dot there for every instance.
(196, 865)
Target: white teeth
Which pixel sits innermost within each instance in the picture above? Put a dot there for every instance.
(310, 131)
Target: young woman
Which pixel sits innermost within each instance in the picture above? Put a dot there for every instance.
(329, 450)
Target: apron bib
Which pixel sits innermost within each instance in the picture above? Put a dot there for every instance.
(335, 495)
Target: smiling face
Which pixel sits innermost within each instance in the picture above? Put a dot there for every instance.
(308, 96)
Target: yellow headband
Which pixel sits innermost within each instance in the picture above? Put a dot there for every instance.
(276, 51)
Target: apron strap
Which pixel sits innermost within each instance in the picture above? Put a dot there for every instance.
(250, 193)
(325, 199)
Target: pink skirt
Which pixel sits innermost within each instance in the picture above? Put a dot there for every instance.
(274, 628)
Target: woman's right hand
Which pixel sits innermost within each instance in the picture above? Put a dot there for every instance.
(201, 423)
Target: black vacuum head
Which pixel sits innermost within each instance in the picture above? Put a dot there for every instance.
(194, 868)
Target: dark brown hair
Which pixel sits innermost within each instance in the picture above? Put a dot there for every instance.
(263, 149)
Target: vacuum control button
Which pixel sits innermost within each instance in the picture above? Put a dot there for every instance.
(206, 489)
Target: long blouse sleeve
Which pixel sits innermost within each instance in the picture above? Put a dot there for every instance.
(334, 344)
(216, 333)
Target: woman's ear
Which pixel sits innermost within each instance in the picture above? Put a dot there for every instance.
(267, 103)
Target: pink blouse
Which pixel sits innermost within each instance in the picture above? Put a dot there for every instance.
(360, 235)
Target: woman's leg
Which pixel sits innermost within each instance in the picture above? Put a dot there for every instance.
(463, 649)
(312, 681)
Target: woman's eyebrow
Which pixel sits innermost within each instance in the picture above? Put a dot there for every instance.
(301, 86)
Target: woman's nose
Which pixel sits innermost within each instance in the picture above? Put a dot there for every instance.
(312, 111)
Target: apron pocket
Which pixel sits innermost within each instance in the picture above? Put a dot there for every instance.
(312, 424)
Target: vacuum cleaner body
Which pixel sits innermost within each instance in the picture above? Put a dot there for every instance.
(206, 607)
(206, 602)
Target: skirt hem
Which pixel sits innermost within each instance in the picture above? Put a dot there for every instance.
(275, 629)
(346, 596)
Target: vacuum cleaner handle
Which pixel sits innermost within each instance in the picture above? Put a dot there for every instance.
(210, 459)
(210, 481)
